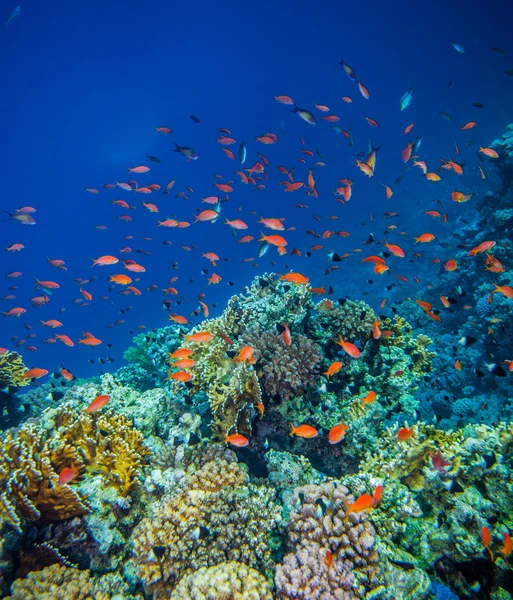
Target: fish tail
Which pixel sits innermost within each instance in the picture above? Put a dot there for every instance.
(292, 430)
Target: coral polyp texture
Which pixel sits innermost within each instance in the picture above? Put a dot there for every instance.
(226, 581)
(333, 553)
(217, 517)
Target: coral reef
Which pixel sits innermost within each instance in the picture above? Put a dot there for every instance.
(31, 459)
(322, 524)
(286, 371)
(58, 582)
(227, 581)
(218, 517)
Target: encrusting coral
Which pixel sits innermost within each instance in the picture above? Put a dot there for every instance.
(31, 459)
(227, 581)
(12, 370)
(58, 582)
(322, 525)
(217, 517)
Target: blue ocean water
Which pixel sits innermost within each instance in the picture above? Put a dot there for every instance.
(85, 86)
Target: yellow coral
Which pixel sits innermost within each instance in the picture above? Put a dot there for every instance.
(232, 388)
(58, 582)
(31, 460)
(226, 581)
(217, 517)
(12, 370)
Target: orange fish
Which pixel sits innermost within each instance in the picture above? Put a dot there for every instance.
(380, 269)
(245, 355)
(490, 152)
(425, 238)
(395, 250)
(236, 439)
(408, 129)
(181, 376)
(432, 177)
(104, 261)
(376, 331)
(120, 279)
(469, 125)
(53, 323)
(405, 433)
(65, 340)
(505, 290)
(337, 433)
(285, 335)
(363, 502)
(486, 536)
(457, 365)
(348, 348)
(67, 475)
(451, 265)
(333, 368)
(460, 196)
(236, 224)
(274, 240)
(369, 398)
(507, 546)
(35, 373)
(483, 247)
(304, 431)
(389, 191)
(292, 187)
(180, 319)
(98, 403)
(180, 353)
(295, 278)
(214, 278)
(406, 153)
(200, 337)
(89, 340)
(329, 558)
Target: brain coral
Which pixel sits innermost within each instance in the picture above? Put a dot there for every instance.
(321, 523)
(227, 581)
(286, 370)
(58, 582)
(218, 517)
(32, 457)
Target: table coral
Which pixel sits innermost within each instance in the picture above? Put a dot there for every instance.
(217, 517)
(227, 581)
(322, 523)
(58, 582)
(32, 457)
(12, 370)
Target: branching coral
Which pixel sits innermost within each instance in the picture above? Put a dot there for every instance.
(226, 581)
(218, 517)
(286, 370)
(322, 524)
(58, 582)
(12, 370)
(31, 459)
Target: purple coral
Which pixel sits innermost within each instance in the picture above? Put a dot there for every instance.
(287, 371)
(320, 524)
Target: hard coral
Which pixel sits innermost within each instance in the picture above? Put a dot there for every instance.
(217, 517)
(322, 523)
(31, 459)
(286, 370)
(226, 581)
(12, 370)
(58, 582)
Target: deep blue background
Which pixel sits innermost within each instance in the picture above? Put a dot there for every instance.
(85, 84)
